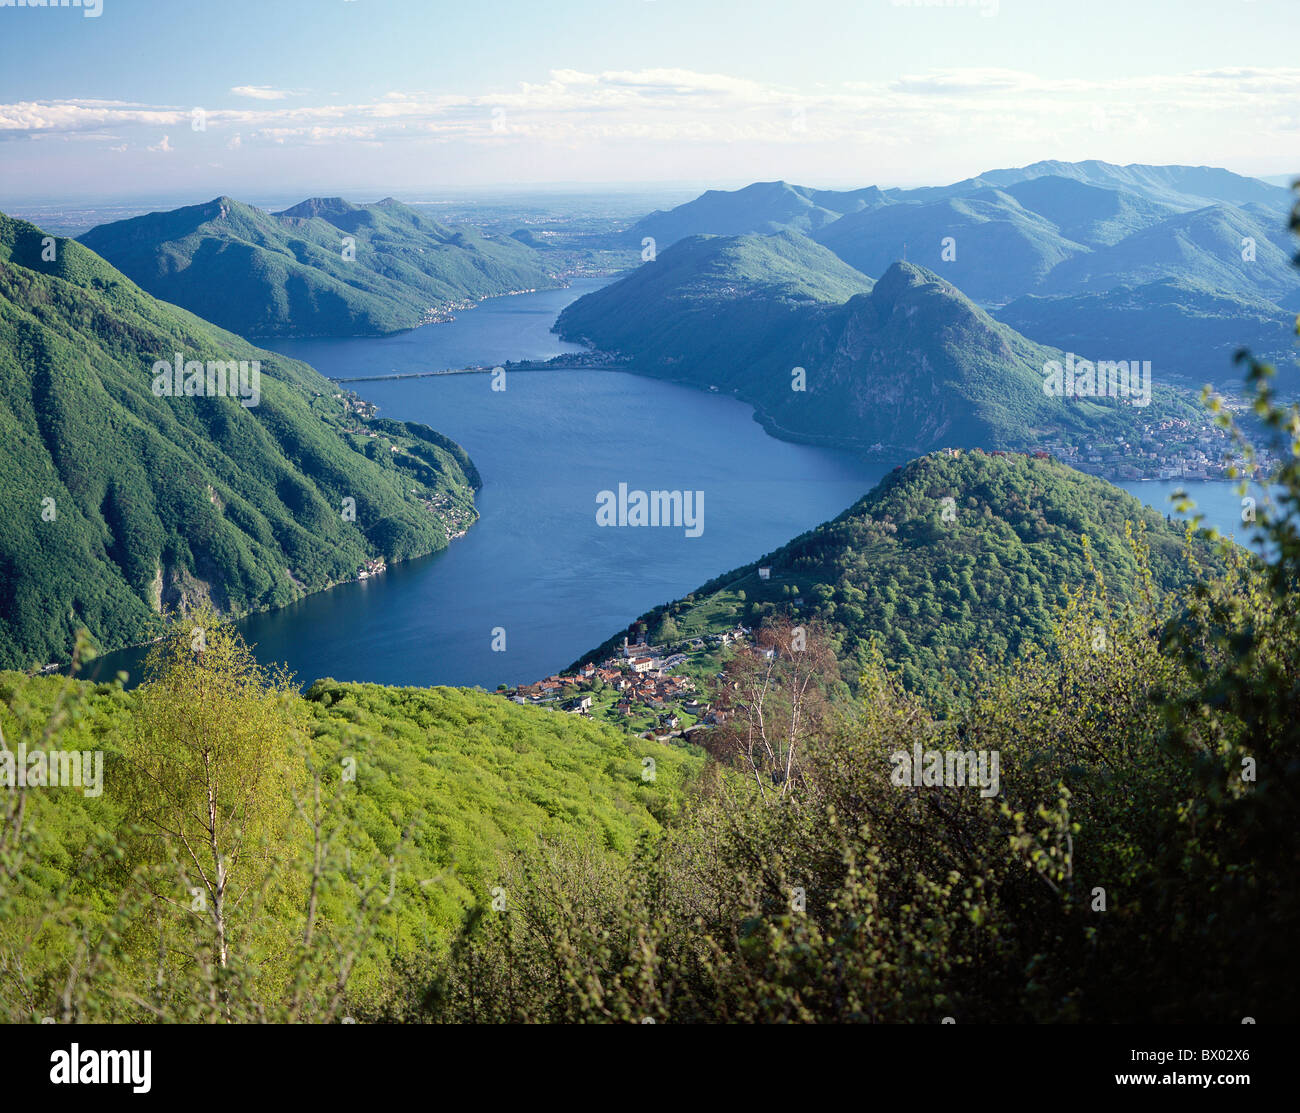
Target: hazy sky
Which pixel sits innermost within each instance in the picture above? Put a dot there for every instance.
(325, 96)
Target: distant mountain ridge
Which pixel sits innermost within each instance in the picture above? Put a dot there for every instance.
(765, 207)
(1057, 230)
(323, 267)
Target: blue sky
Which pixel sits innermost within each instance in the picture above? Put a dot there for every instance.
(378, 95)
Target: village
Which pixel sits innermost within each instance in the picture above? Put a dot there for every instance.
(1166, 448)
(655, 691)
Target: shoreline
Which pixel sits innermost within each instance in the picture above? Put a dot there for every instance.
(60, 668)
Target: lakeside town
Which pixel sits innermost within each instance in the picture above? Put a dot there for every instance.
(1167, 448)
(654, 691)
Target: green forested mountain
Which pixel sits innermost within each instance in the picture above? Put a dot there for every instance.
(910, 366)
(1178, 250)
(935, 583)
(295, 273)
(1208, 247)
(120, 502)
(713, 304)
(1191, 328)
(1088, 214)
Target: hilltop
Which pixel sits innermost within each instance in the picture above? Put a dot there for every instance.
(934, 582)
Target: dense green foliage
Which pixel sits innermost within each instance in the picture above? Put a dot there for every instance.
(1199, 328)
(912, 366)
(935, 586)
(286, 274)
(354, 834)
(1132, 864)
(160, 502)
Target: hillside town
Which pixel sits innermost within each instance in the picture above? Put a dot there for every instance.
(655, 691)
(1167, 448)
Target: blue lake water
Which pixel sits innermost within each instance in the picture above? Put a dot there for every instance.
(536, 564)
(1216, 500)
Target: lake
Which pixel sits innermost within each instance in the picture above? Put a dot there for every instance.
(1217, 500)
(536, 565)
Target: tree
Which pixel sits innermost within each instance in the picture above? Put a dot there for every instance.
(776, 692)
(215, 760)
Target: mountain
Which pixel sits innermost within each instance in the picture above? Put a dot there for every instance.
(766, 207)
(324, 267)
(908, 367)
(714, 303)
(935, 593)
(126, 501)
(1188, 329)
(1182, 187)
(1206, 246)
(996, 247)
(1088, 214)
(763, 208)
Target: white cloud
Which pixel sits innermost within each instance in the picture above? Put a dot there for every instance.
(260, 92)
(576, 109)
(163, 146)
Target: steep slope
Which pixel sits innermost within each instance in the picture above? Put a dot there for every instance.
(999, 249)
(324, 267)
(123, 501)
(1187, 329)
(909, 367)
(933, 593)
(714, 302)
